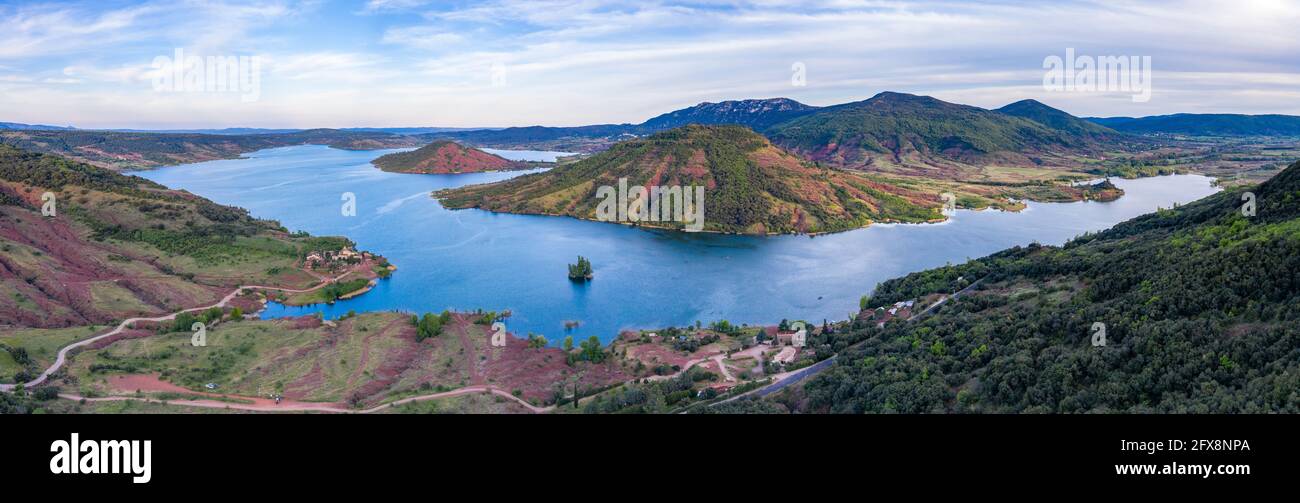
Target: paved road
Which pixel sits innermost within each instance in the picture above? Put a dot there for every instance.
(789, 378)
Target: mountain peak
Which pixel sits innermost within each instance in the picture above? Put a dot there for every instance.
(1055, 118)
(755, 113)
(897, 97)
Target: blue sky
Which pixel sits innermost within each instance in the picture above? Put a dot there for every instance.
(426, 63)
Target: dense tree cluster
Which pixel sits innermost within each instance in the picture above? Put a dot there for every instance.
(1200, 306)
(580, 271)
(430, 325)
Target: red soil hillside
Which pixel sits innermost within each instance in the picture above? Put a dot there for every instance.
(442, 157)
(121, 246)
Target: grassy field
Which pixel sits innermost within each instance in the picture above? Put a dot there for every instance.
(302, 359)
(329, 293)
(42, 345)
(471, 403)
(478, 403)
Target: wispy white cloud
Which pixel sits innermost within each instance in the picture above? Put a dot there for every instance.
(587, 61)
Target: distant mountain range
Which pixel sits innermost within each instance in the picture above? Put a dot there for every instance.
(891, 131)
(905, 129)
(1205, 124)
(758, 114)
(887, 129)
(32, 127)
(126, 150)
(753, 186)
(237, 130)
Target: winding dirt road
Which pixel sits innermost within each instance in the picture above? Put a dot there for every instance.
(62, 357)
(257, 405)
(322, 407)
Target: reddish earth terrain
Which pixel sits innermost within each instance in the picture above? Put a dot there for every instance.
(443, 157)
(530, 375)
(49, 268)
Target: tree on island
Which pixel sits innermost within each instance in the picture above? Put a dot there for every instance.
(580, 271)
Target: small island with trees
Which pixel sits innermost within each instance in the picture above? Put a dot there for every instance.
(580, 271)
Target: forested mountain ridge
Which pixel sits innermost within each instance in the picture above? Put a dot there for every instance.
(1205, 124)
(900, 128)
(1200, 306)
(757, 114)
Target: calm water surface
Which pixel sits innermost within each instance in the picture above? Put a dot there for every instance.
(470, 259)
(527, 155)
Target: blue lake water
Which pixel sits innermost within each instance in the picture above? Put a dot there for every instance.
(527, 155)
(470, 259)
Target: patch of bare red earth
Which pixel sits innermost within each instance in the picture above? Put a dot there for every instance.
(71, 263)
(533, 374)
(657, 354)
(151, 383)
(455, 158)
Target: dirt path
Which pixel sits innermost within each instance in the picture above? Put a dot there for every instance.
(689, 364)
(63, 353)
(265, 405)
(723, 367)
(467, 348)
(365, 351)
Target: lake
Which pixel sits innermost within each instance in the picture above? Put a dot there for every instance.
(528, 155)
(471, 259)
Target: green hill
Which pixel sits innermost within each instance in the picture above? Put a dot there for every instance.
(1200, 306)
(1059, 120)
(897, 128)
(121, 246)
(750, 186)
